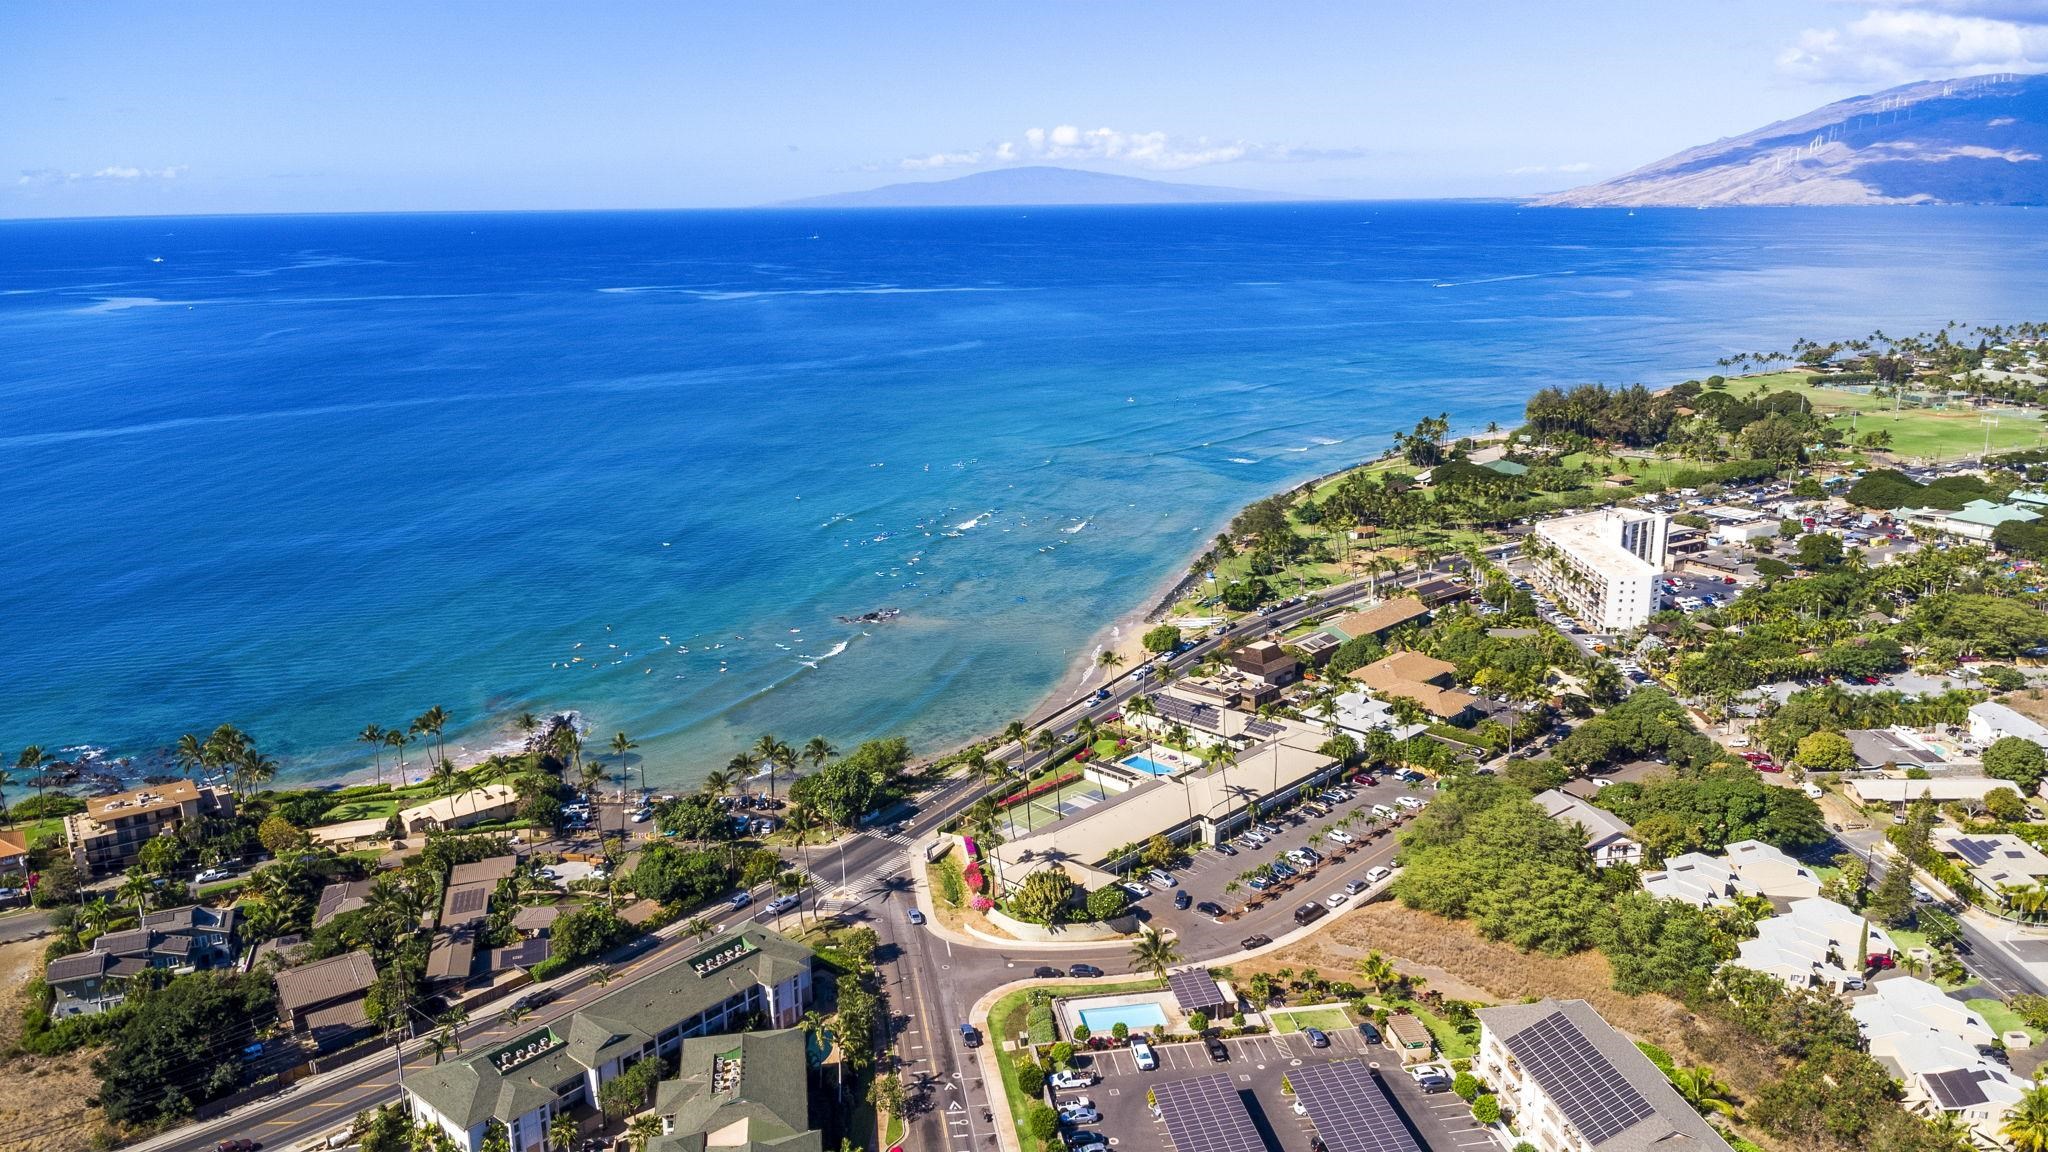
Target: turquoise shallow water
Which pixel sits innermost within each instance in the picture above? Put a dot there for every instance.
(307, 473)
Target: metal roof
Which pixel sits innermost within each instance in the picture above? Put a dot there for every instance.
(1195, 990)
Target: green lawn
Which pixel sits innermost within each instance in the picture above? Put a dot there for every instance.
(1452, 1043)
(2001, 1018)
(1925, 433)
(365, 808)
(1328, 1019)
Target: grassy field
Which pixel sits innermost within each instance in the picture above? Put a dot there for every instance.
(366, 808)
(1327, 1019)
(1920, 433)
(2001, 1018)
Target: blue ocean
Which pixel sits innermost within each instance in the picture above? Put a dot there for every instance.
(309, 473)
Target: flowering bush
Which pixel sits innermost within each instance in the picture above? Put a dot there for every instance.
(982, 903)
(1038, 789)
(975, 880)
(973, 852)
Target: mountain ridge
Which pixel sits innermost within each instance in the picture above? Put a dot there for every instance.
(1034, 185)
(1974, 140)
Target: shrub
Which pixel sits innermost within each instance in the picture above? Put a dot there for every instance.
(1107, 903)
(1466, 1086)
(1030, 1079)
(1199, 1021)
(1038, 1023)
(1041, 1121)
(1060, 1055)
(1081, 1033)
(1486, 1109)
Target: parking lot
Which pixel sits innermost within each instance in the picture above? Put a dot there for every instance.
(1440, 1121)
(1209, 872)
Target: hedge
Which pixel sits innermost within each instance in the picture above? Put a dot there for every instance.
(1038, 1024)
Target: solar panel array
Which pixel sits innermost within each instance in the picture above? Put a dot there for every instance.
(1262, 728)
(1958, 1088)
(468, 901)
(1206, 1114)
(1179, 711)
(1195, 990)
(1350, 1108)
(1586, 1086)
(1975, 851)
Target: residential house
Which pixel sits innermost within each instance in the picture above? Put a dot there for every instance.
(1990, 721)
(1815, 943)
(13, 851)
(112, 829)
(176, 940)
(1267, 663)
(1423, 679)
(1699, 880)
(737, 980)
(1937, 1048)
(1573, 1084)
(749, 1092)
(1608, 838)
(327, 1000)
(342, 896)
(1769, 871)
(1995, 863)
(476, 806)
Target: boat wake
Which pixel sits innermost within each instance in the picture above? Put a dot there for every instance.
(812, 662)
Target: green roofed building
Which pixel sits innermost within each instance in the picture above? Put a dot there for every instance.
(1507, 467)
(747, 1093)
(748, 976)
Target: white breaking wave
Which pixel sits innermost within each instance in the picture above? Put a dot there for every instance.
(814, 661)
(1242, 460)
(1076, 528)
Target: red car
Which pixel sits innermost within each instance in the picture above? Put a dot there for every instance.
(1767, 766)
(237, 1145)
(1368, 781)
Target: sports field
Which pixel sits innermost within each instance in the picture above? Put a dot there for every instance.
(1926, 434)
(1069, 800)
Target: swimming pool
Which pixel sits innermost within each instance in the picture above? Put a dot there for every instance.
(1148, 765)
(1136, 1017)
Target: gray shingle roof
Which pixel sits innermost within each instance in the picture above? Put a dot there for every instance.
(757, 1078)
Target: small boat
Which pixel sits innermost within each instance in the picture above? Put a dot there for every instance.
(875, 617)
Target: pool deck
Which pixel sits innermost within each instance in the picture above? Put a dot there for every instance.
(1070, 1009)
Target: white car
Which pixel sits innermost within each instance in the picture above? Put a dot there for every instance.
(212, 875)
(1411, 803)
(1137, 891)
(1340, 836)
(1334, 899)
(781, 904)
(742, 899)
(1377, 874)
(1253, 835)
(1068, 1079)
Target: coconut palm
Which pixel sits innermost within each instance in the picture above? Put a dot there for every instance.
(1110, 659)
(742, 766)
(775, 754)
(622, 744)
(1154, 953)
(373, 735)
(136, 888)
(397, 739)
(817, 751)
(643, 1130)
(789, 884)
(190, 753)
(1016, 733)
(2026, 1126)
(433, 721)
(562, 1132)
(1376, 970)
(717, 783)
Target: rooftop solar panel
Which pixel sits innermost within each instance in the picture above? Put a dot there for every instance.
(465, 901)
(1205, 1114)
(1958, 1088)
(1177, 710)
(1350, 1108)
(1260, 729)
(1195, 990)
(1591, 1092)
(1974, 851)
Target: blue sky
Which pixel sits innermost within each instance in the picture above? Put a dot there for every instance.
(136, 108)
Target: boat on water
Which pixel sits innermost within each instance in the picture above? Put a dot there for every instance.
(876, 617)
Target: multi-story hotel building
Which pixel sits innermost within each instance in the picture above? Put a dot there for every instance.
(1602, 567)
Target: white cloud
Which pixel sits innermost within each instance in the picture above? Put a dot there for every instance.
(118, 173)
(1928, 40)
(1157, 151)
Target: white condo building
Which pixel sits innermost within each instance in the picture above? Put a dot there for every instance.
(1602, 567)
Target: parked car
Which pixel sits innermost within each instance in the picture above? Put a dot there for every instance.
(1086, 1142)
(1259, 883)
(1219, 1052)
(1046, 972)
(1309, 913)
(212, 876)
(1377, 873)
(1069, 1079)
(1269, 828)
(1317, 1038)
(916, 917)
(1354, 887)
(1371, 1034)
(1137, 891)
(1148, 1060)
(1335, 899)
(642, 815)
(1223, 849)
(1084, 972)
(1251, 942)
(535, 999)
(1340, 836)
(1384, 812)
(970, 1036)
(1411, 803)
(1253, 835)
(1159, 879)
(239, 1144)
(1430, 1078)
(781, 904)
(1181, 900)
(1209, 908)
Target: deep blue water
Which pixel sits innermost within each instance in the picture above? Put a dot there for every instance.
(309, 473)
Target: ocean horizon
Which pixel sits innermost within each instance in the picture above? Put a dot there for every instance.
(307, 473)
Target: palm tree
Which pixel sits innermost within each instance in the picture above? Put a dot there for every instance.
(775, 754)
(452, 1021)
(643, 1130)
(817, 751)
(1154, 953)
(562, 1132)
(602, 975)
(373, 735)
(1376, 970)
(1952, 1133)
(253, 768)
(1016, 733)
(397, 739)
(803, 820)
(1702, 1091)
(511, 1017)
(5, 780)
(136, 889)
(1045, 741)
(2026, 1126)
(433, 721)
(190, 752)
(622, 744)
(789, 884)
(716, 784)
(742, 767)
(1110, 659)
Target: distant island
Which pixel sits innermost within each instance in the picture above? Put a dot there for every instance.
(1979, 140)
(1034, 185)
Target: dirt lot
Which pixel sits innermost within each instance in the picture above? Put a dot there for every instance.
(2032, 703)
(1458, 963)
(42, 1100)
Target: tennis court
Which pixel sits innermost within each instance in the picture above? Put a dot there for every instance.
(1075, 797)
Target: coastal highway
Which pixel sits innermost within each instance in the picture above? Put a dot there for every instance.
(932, 981)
